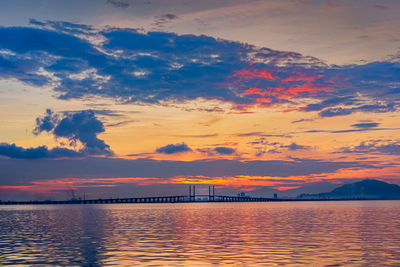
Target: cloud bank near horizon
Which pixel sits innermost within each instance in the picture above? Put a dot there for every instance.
(46, 177)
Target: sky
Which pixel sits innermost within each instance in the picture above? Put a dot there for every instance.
(123, 98)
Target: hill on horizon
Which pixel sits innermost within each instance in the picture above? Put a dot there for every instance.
(365, 189)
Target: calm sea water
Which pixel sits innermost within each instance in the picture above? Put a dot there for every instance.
(359, 233)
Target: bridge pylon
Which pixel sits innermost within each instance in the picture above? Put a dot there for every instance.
(192, 193)
(211, 193)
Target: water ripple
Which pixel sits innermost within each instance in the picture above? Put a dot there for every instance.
(364, 233)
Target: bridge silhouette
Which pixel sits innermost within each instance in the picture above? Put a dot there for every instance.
(192, 197)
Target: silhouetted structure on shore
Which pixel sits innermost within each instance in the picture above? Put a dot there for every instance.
(192, 197)
(356, 191)
(365, 189)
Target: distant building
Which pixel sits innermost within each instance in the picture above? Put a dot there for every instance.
(275, 196)
(242, 194)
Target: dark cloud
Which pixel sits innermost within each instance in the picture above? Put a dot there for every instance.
(388, 147)
(264, 146)
(332, 112)
(224, 150)
(364, 36)
(119, 3)
(121, 123)
(107, 112)
(381, 6)
(361, 127)
(302, 120)
(164, 19)
(197, 135)
(208, 151)
(16, 152)
(249, 134)
(334, 101)
(273, 151)
(365, 125)
(46, 123)
(132, 66)
(173, 148)
(82, 126)
(277, 135)
(293, 147)
(169, 16)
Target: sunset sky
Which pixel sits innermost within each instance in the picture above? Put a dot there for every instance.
(124, 98)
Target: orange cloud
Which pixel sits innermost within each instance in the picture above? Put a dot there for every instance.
(333, 5)
(253, 72)
(250, 82)
(56, 186)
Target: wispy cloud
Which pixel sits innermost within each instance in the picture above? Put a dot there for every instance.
(388, 147)
(365, 125)
(119, 3)
(333, 5)
(162, 20)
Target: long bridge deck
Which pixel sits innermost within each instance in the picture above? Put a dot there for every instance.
(192, 197)
(165, 199)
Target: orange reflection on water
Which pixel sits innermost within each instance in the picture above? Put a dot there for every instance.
(349, 233)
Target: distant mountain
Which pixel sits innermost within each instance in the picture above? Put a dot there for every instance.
(366, 189)
(311, 188)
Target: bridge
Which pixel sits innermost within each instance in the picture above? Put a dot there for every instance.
(192, 197)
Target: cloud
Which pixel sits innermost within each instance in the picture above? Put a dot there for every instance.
(13, 171)
(46, 123)
(336, 106)
(362, 128)
(79, 126)
(172, 149)
(164, 19)
(249, 134)
(132, 66)
(224, 150)
(332, 101)
(293, 147)
(332, 112)
(388, 147)
(333, 5)
(82, 126)
(121, 123)
(119, 3)
(16, 152)
(302, 120)
(197, 135)
(365, 125)
(375, 108)
(264, 146)
(381, 6)
(261, 134)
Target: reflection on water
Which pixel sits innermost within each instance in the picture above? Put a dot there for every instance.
(365, 233)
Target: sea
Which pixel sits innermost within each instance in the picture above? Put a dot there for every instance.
(324, 233)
